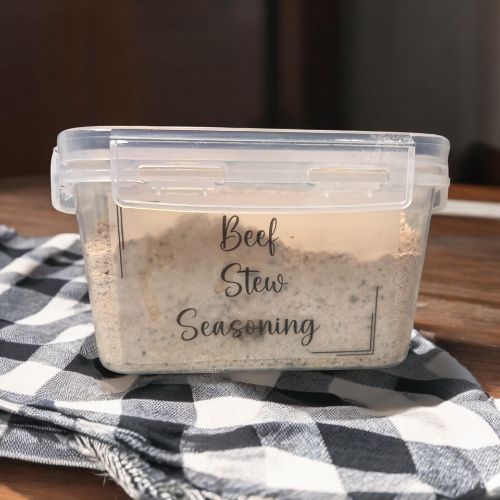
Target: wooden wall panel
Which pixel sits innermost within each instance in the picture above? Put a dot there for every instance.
(147, 62)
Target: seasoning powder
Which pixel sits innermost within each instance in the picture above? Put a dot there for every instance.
(174, 291)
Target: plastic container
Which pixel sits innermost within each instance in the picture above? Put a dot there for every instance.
(217, 249)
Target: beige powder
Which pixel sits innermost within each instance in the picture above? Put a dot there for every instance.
(180, 269)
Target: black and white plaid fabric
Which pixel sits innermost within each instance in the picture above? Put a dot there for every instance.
(424, 429)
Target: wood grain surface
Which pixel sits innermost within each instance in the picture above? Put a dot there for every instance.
(458, 307)
(24, 480)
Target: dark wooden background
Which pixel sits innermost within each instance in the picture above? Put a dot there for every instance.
(178, 62)
(331, 64)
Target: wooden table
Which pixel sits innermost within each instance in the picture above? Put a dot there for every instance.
(459, 307)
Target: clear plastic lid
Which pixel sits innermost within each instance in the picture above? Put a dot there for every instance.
(250, 170)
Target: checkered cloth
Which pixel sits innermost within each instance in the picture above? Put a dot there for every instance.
(424, 429)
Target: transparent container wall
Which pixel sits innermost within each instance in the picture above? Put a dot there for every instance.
(180, 292)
